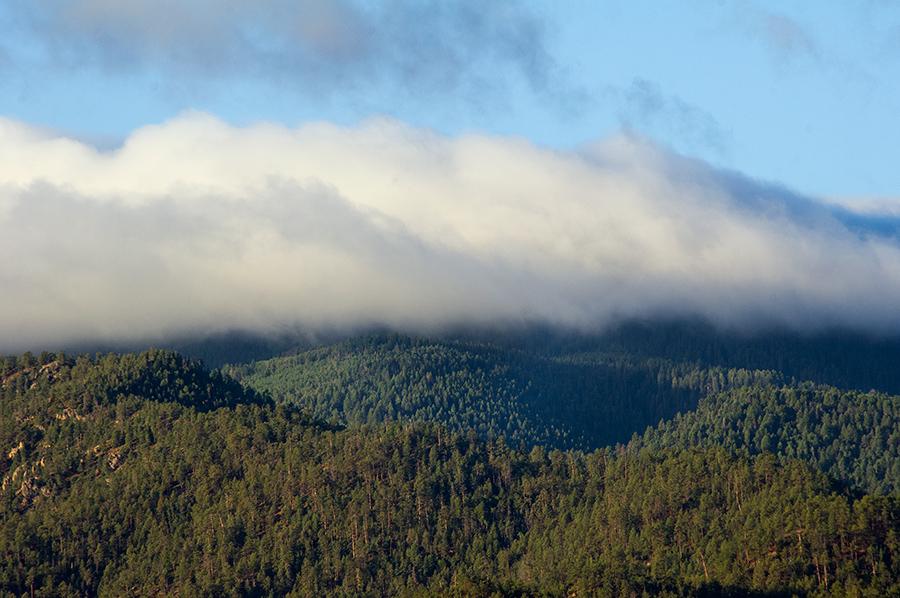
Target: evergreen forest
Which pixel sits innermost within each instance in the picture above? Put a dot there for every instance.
(657, 460)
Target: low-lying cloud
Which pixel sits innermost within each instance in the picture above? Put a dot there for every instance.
(195, 226)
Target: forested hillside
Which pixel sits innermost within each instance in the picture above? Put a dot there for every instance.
(581, 400)
(845, 360)
(147, 475)
(587, 393)
(852, 435)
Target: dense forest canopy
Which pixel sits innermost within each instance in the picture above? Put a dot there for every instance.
(852, 435)
(584, 394)
(391, 465)
(578, 400)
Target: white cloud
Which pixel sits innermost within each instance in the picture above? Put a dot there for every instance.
(197, 226)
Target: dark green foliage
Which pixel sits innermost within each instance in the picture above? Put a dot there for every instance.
(160, 375)
(844, 360)
(570, 397)
(144, 474)
(581, 400)
(852, 435)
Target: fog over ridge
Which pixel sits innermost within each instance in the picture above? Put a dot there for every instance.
(197, 226)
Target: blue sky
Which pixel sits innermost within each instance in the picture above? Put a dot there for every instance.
(570, 162)
(800, 93)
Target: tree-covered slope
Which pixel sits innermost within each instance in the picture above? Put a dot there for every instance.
(582, 400)
(587, 393)
(845, 360)
(853, 436)
(103, 380)
(207, 492)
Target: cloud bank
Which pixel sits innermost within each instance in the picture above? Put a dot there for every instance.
(195, 226)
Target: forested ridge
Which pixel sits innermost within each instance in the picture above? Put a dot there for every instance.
(852, 435)
(391, 465)
(841, 359)
(129, 475)
(626, 390)
(582, 400)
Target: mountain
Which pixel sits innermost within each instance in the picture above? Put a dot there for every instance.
(853, 436)
(147, 474)
(843, 359)
(662, 386)
(582, 400)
